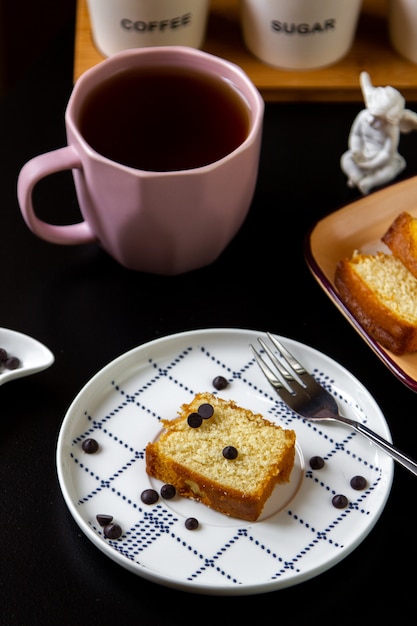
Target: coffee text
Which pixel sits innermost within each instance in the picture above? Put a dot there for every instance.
(158, 25)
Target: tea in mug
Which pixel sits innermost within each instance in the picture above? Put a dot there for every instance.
(164, 118)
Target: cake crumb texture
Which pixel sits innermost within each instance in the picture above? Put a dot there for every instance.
(192, 458)
(381, 293)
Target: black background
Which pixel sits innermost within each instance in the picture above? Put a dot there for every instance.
(89, 310)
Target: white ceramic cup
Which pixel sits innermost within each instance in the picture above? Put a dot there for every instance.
(299, 34)
(402, 26)
(118, 25)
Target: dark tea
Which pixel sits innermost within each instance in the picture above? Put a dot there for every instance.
(164, 118)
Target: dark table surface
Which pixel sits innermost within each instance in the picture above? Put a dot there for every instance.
(89, 310)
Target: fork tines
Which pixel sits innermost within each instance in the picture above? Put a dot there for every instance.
(289, 371)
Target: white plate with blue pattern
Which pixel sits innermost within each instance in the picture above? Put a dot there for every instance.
(299, 535)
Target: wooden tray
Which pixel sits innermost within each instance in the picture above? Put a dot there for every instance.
(340, 82)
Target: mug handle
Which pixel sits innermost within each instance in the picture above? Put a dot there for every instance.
(32, 172)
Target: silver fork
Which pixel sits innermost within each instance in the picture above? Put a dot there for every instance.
(306, 397)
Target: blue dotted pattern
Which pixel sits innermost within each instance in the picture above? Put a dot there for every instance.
(124, 414)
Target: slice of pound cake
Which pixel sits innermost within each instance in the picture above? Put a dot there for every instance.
(401, 239)
(222, 455)
(382, 295)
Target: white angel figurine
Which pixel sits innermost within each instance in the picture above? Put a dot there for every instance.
(372, 158)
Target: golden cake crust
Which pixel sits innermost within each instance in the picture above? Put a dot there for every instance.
(387, 319)
(401, 239)
(191, 458)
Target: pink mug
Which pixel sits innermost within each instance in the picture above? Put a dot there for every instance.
(164, 144)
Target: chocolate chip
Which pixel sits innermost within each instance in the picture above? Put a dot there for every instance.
(230, 452)
(316, 462)
(340, 501)
(90, 446)
(205, 411)
(12, 363)
(194, 420)
(8, 361)
(358, 482)
(168, 491)
(149, 496)
(220, 382)
(104, 520)
(112, 531)
(191, 523)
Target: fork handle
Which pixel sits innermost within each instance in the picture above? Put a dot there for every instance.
(394, 452)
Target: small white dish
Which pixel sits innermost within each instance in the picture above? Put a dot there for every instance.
(33, 355)
(300, 533)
